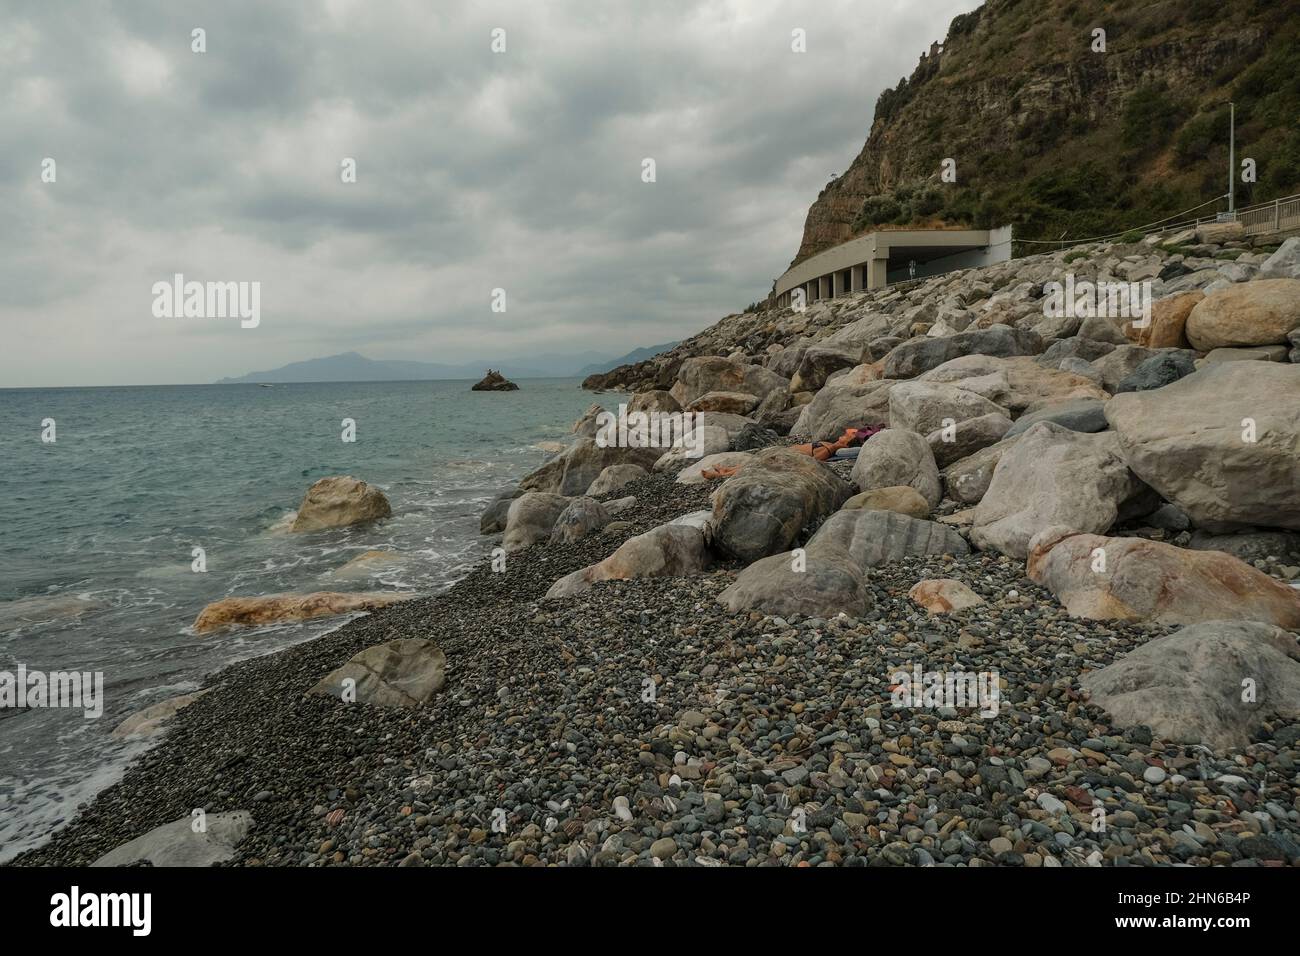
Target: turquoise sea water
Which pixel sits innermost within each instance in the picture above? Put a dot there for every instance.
(97, 532)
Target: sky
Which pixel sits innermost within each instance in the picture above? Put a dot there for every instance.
(519, 169)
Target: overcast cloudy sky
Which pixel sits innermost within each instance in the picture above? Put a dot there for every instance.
(476, 170)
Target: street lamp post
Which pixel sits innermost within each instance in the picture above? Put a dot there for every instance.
(1232, 158)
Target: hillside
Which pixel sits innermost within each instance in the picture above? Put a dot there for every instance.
(1058, 139)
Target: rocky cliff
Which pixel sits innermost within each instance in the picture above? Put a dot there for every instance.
(1058, 137)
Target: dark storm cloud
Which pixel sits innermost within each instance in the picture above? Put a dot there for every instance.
(476, 170)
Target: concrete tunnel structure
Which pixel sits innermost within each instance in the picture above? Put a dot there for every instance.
(879, 258)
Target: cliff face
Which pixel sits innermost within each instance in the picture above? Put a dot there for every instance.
(1054, 137)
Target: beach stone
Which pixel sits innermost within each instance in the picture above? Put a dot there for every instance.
(1166, 326)
(817, 364)
(753, 437)
(1186, 441)
(1187, 686)
(580, 518)
(830, 583)
(848, 402)
(761, 510)
(1246, 314)
(572, 471)
(693, 474)
(902, 499)
(1079, 415)
(920, 355)
(1158, 371)
(339, 501)
(896, 457)
(403, 673)
(613, 478)
(733, 403)
(670, 550)
(1103, 578)
(962, 441)
(176, 843)
(148, 722)
(1074, 347)
(923, 407)
(530, 519)
(275, 608)
(943, 595)
(1053, 476)
(874, 538)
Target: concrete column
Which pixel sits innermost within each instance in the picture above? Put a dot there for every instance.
(824, 287)
(857, 278)
(877, 273)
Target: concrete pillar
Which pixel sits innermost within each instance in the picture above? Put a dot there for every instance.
(824, 287)
(877, 273)
(837, 285)
(856, 275)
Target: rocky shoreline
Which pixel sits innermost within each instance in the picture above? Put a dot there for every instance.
(693, 659)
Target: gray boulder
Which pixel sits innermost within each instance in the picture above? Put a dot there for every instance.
(920, 355)
(962, 441)
(1159, 371)
(402, 673)
(1187, 686)
(670, 550)
(764, 508)
(613, 478)
(530, 519)
(896, 457)
(923, 407)
(1080, 415)
(582, 517)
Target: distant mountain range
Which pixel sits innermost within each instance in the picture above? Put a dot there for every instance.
(354, 367)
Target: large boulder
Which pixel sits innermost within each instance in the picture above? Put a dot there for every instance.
(1028, 387)
(670, 550)
(830, 576)
(953, 444)
(1191, 442)
(1187, 686)
(711, 373)
(531, 517)
(852, 401)
(580, 518)
(920, 355)
(700, 442)
(1118, 364)
(612, 478)
(1053, 476)
(1105, 578)
(179, 844)
(406, 672)
(1246, 313)
(763, 508)
(1284, 263)
(1160, 370)
(732, 403)
(572, 471)
(818, 362)
(925, 406)
(896, 457)
(1165, 327)
(1079, 415)
(903, 499)
(967, 480)
(275, 608)
(493, 519)
(656, 400)
(693, 474)
(589, 424)
(339, 501)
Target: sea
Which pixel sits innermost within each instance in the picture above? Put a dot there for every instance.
(100, 531)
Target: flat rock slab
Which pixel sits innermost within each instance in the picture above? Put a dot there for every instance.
(176, 843)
